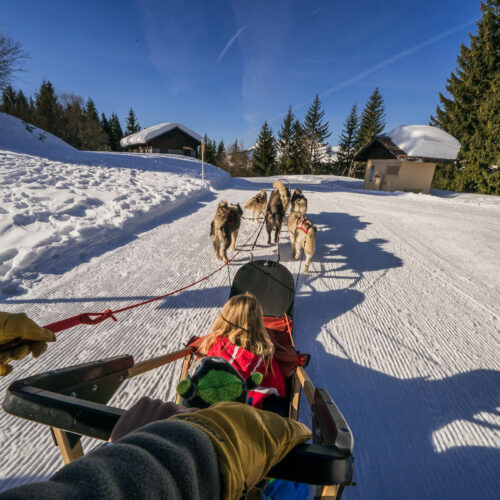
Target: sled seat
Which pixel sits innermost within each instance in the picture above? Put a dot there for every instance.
(72, 401)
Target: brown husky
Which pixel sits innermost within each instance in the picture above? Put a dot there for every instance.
(224, 228)
(274, 216)
(302, 236)
(284, 194)
(257, 204)
(298, 202)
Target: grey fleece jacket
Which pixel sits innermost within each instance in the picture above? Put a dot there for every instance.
(166, 459)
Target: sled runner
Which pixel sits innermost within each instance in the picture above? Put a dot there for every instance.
(73, 400)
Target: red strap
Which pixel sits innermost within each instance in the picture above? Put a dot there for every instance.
(80, 319)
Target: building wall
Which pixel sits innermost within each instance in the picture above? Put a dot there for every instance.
(174, 141)
(395, 175)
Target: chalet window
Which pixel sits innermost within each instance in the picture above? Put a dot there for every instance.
(372, 171)
(392, 169)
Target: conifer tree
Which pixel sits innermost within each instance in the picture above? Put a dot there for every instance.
(9, 101)
(48, 110)
(286, 138)
(94, 137)
(315, 132)
(116, 132)
(91, 111)
(221, 157)
(132, 125)
(299, 150)
(372, 122)
(347, 143)
(471, 112)
(106, 127)
(22, 110)
(264, 154)
(210, 155)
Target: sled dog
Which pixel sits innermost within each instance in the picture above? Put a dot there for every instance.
(275, 213)
(302, 236)
(257, 204)
(224, 228)
(298, 202)
(284, 194)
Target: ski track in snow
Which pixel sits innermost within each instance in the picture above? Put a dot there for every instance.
(399, 311)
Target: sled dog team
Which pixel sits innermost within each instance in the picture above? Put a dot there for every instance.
(226, 223)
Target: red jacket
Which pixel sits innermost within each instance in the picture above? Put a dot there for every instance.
(246, 363)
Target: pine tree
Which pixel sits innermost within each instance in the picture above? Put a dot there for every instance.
(299, 150)
(132, 125)
(9, 101)
(471, 112)
(91, 111)
(316, 132)
(286, 138)
(264, 154)
(347, 146)
(210, 154)
(22, 110)
(106, 127)
(47, 109)
(221, 159)
(372, 122)
(116, 132)
(94, 137)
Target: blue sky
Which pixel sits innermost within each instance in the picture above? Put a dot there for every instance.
(224, 67)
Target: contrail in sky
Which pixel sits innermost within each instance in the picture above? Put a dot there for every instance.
(314, 12)
(229, 44)
(383, 64)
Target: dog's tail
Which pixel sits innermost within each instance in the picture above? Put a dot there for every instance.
(278, 185)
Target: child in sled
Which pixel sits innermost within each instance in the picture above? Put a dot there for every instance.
(239, 336)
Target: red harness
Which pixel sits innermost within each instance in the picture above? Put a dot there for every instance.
(260, 199)
(302, 225)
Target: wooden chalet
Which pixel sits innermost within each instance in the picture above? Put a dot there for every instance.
(171, 138)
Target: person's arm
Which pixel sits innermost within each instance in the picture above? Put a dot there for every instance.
(13, 326)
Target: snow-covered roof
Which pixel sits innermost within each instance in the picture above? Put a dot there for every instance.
(415, 142)
(150, 133)
(425, 141)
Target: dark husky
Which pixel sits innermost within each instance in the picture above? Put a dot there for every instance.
(224, 228)
(299, 202)
(275, 214)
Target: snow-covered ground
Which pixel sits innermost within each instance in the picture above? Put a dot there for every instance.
(57, 200)
(400, 310)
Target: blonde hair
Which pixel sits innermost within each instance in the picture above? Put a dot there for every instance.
(241, 321)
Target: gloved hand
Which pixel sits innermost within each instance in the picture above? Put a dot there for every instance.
(13, 326)
(248, 441)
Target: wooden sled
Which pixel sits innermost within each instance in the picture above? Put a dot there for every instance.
(73, 401)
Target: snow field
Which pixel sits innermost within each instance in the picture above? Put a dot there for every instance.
(399, 312)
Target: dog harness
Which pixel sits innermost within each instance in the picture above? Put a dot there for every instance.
(309, 225)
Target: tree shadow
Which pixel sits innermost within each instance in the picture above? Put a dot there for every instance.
(402, 447)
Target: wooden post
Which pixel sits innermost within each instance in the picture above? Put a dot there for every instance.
(294, 401)
(68, 454)
(202, 161)
(185, 367)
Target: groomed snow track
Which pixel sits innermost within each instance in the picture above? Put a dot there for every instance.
(399, 312)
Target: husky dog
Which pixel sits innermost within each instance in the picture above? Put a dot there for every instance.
(257, 204)
(284, 194)
(224, 228)
(302, 236)
(275, 213)
(298, 202)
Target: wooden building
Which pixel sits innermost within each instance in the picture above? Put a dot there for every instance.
(172, 138)
(405, 158)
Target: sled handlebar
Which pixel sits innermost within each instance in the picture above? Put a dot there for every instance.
(74, 399)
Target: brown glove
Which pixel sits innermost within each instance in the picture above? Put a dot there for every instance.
(145, 411)
(248, 441)
(13, 326)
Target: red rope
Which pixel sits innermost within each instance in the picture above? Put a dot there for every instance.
(88, 319)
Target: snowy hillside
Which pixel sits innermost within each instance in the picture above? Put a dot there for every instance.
(57, 200)
(400, 310)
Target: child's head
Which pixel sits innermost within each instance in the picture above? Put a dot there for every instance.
(242, 322)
